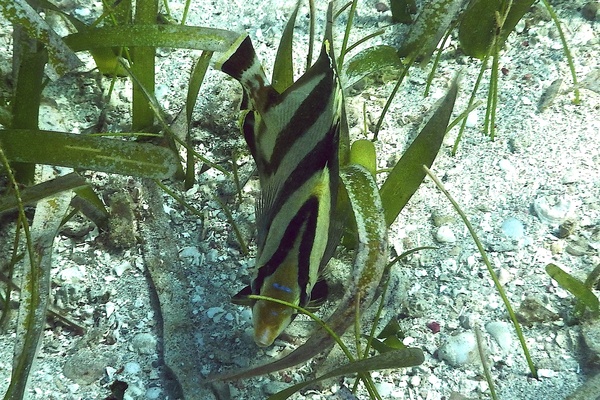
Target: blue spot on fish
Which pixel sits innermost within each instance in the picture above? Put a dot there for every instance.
(282, 288)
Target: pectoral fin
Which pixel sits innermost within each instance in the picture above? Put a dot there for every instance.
(241, 298)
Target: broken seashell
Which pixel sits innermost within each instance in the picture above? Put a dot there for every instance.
(553, 210)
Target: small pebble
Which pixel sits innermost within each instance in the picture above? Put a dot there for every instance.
(467, 321)
(241, 361)
(546, 373)
(191, 256)
(566, 229)
(549, 94)
(161, 91)
(434, 326)
(274, 387)
(385, 389)
(407, 341)
(133, 392)
(83, 12)
(381, 7)
(144, 343)
(153, 393)
(120, 268)
(533, 311)
(215, 313)
(415, 380)
(513, 228)
(445, 235)
(439, 219)
(154, 374)
(459, 349)
(472, 119)
(72, 275)
(74, 388)
(501, 332)
(110, 373)
(132, 368)
(504, 276)
(85, 367)
(521, 26)
(212, 255)
(434, 381)
(558, 247)
(110, 308)
(506, 166)
(577, 247)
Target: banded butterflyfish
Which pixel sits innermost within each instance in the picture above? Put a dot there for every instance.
(293, 137)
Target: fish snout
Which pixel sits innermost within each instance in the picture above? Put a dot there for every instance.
(270, 319)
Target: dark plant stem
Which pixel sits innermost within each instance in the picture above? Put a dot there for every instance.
(470, 105)
(390, 98)
(563, 40)
(30, 57)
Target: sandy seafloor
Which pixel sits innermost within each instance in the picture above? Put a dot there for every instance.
(550, 157)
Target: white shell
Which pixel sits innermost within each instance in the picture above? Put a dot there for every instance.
(553, 210)
(459, 349)
(445, 235)
(501, 332)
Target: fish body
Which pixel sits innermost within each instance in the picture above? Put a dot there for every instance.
(293, 137)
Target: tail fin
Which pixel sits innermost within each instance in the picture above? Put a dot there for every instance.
(241, 63)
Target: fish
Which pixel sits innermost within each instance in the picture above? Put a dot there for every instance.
(293, 137)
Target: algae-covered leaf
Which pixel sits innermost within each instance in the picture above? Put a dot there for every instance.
(283, 68)
(477, 28)
(573, 286)
(386, 345)
(389, 339)
(174, 36)
(196, 79)
(61, 58)
(33, 194)
(35, 289)
(369, 61)
(484, 20)
(515, 13)
(429, 27)
(106, 58)
(362, 152)
(88, 152)
(402, 10)
(86, 200)
(406, 177)
(404, 358)
(392, 328)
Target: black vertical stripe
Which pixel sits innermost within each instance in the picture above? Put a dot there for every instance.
(307, 240)
(297, 225)
(307, 113)
(322, 155)
(315, 103)
(305, 117)
(241, 60)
